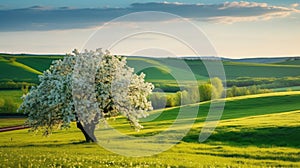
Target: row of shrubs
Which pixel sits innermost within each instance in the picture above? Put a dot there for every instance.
(202, 93)
(11, 85)
(212, 89)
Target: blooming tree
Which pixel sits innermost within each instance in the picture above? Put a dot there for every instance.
(87, 88)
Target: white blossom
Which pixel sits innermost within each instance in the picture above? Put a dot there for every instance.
(117, 90)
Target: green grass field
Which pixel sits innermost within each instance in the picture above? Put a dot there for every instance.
(15, 95)
(253, 132)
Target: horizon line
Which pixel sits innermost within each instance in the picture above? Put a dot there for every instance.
(181, 56)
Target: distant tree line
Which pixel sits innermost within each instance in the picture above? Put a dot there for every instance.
(11, 85)
(166, 87)
(264, 83)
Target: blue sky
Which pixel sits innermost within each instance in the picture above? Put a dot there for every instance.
(9, 4)
(236, 29)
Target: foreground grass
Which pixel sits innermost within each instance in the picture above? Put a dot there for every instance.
(63, 149)
(265, 135)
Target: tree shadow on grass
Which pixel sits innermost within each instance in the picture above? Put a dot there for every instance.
(261, 137)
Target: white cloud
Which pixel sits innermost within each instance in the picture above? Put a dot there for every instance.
(252, 11)
(231, 19)
(295, 5)
(243, 4)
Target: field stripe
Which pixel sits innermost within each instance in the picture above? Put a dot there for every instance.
(25, 67)
(264, 95)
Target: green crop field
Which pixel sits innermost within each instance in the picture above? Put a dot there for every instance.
(26, 68)
(16, 71)
(39, 63)
(253, 132)
(234, 70)
(290, 62)
(294, 88)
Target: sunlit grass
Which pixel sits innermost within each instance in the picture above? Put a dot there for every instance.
(15, 95)
(63, 148)
(255, 131)
(5, 122)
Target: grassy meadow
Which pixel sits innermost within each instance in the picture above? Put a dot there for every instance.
(258, 137)
(259, 130)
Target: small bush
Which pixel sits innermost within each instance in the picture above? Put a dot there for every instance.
(205, 91)
(173, 100)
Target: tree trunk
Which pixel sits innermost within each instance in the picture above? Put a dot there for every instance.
(88, 131)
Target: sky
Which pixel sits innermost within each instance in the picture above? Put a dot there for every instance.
(232, 29)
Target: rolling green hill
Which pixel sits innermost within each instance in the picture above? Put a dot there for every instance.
(26, 68)
(242, 106)
(13, 70)
(164, 68)
(39, 63)
(234, 70)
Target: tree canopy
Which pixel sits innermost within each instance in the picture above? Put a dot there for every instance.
(86, 87)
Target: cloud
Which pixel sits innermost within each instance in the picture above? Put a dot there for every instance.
(295, 5)
(251, 11)
(46, 18)
(243, 4)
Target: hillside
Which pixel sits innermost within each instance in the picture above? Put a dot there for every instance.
(38, 63)
(234, 70)
(290, 62)
(16, 71)
(27, 67)
(258, 60)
